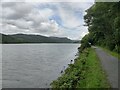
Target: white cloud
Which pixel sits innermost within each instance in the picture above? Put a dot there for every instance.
(48, 0)
(45, 27)
(68, 18)
(72, 13)
(21, 17)
(20, 23)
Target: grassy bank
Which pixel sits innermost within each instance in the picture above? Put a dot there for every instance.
(86, 72)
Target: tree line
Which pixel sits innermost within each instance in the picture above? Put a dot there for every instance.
(103, 21)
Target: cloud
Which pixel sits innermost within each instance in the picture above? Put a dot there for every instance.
(20, 23)
(48, 0)
(50, 27)
(50, 19)
(68, 18)
(15, 10)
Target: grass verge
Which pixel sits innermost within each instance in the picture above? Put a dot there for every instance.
(86, 72)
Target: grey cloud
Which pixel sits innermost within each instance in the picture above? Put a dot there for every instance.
(18, 10)
(20, 23)
(8, 4)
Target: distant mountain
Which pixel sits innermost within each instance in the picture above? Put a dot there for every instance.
(25, 38)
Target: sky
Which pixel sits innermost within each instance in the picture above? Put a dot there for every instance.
(59, 19)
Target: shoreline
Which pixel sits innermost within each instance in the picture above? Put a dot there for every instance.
(77, 75)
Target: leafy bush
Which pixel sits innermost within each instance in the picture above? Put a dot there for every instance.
(85, 43)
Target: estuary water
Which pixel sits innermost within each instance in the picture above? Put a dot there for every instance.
(34, 65)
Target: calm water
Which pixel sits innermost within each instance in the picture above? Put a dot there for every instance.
(34, 65)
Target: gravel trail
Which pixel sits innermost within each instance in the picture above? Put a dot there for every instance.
(110, 65)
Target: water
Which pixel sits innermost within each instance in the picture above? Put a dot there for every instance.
(34, 65)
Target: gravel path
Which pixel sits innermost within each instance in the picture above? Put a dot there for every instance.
(110, 65)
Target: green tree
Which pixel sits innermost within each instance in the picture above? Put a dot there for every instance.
(103, 20)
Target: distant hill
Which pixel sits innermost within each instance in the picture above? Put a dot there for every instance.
(25, 38)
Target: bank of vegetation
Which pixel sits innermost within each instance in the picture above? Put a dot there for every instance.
(86, 72)
(103, 20)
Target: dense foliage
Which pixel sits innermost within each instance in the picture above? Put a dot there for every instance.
(103, 21)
